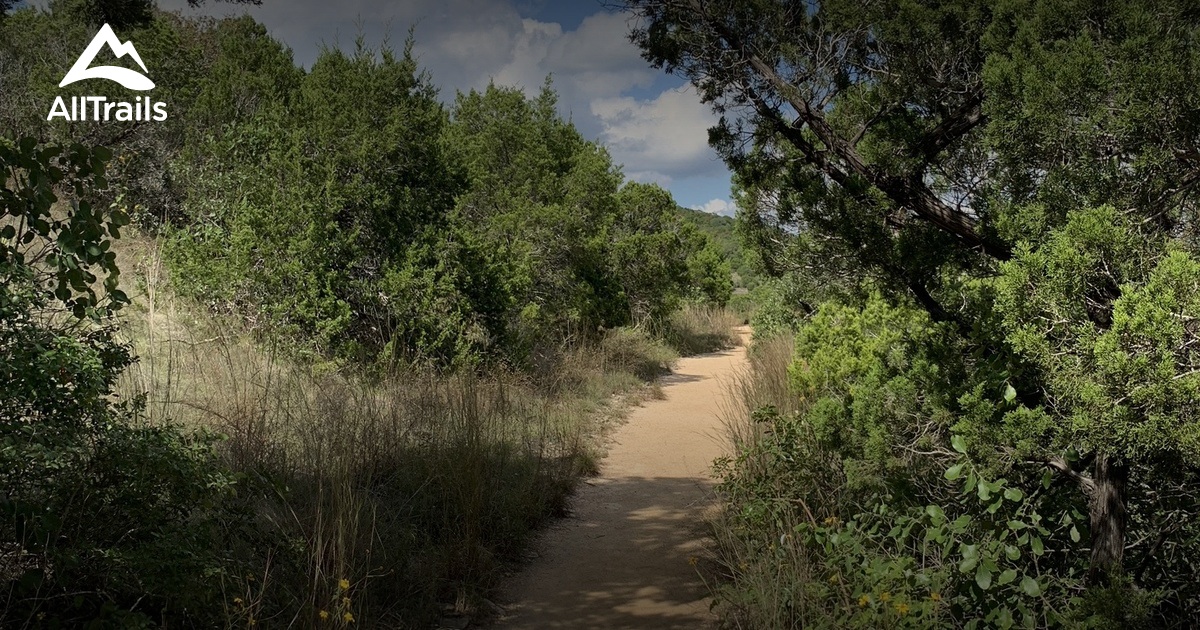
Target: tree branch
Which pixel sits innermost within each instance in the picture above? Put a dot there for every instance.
(1060, 465)
(909, 192)
(963, 119)
(937, 312)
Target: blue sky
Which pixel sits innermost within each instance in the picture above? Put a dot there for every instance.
(652, 123)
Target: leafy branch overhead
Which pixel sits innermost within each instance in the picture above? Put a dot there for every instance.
(63, 245)
(1024, 173)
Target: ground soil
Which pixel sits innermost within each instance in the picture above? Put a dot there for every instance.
(627, 556)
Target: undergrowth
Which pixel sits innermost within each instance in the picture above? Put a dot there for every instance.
(396, 500)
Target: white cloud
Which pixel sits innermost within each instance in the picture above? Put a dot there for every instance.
(595, 60)
(525, 69)
(598, 57)
(467, 43)
(722, 207)
(666, 136)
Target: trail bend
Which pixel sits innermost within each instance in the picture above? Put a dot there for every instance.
(626, 556)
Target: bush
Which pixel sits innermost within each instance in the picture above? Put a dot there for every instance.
(699, 328)
(102, 517)
(635, 350)
(851, 502)
(774, 309)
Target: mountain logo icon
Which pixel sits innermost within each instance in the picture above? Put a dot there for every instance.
(131, 79)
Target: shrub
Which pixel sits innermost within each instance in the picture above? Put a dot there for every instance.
(699, 328)
(102, 517)
(852, 502)
(635, 350)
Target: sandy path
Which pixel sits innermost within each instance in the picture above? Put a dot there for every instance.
(622, 559)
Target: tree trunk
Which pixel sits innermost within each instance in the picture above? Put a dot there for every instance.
(1106, 507)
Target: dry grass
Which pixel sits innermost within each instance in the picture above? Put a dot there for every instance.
(696, 329)
(755, 589)
(415, 491)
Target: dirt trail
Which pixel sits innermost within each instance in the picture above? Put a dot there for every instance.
(623, 559)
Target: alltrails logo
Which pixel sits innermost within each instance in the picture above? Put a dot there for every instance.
(100, 107)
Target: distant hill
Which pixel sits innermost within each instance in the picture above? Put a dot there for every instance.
(723, 232)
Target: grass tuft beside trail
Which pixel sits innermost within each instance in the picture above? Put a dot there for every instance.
(398, 500)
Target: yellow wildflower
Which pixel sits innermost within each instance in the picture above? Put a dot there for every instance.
(237, 601)
(902, 608)
(324, 615)
(885, 596)
(344, 584)
(833, 579)
(863, 601)
(345, 602)
(348, 618)
(831, 521)
(935, 596)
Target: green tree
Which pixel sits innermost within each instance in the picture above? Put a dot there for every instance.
(352, 151)
(723, 234)
(543, 198)
(650, 251)
(967, 157)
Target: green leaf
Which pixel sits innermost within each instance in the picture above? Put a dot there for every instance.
(1036, 545)
(935, 512)
(959, 444)
(1010, 394)
(970, 554)
(1013, 494)
(1030, 586)
(1074, 534)
(1007, 576)
(954, 472)
(983, 577)
(1011, 552)
(1004, 619)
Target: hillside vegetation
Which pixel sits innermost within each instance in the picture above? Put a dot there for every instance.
(319, 349)
(722, 232)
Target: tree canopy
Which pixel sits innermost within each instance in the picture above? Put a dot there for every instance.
(1024, 173)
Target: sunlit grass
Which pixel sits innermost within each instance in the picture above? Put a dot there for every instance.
(400, 496)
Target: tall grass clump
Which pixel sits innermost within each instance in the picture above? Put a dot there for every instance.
(756, 589)
(382, 500)
(394, 499)
(700, 328)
